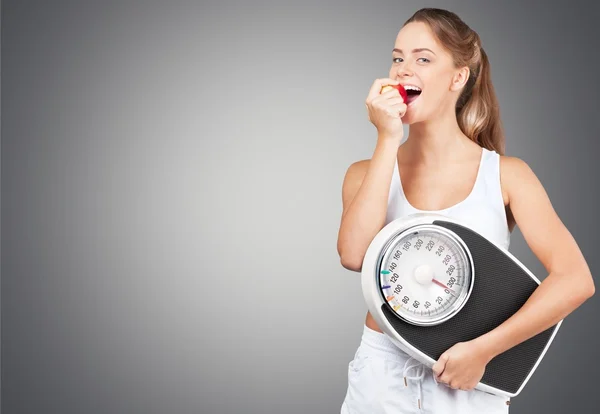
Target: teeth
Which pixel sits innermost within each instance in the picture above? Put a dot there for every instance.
(412, 87)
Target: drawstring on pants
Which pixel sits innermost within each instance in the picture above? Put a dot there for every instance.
(417, 377)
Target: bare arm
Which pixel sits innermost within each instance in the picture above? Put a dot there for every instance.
(569, 282)
(365, 194)
(366, 185)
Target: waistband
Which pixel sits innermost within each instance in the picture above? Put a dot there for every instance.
(379, 343)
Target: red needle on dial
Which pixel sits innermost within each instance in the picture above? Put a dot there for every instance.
(437, 282)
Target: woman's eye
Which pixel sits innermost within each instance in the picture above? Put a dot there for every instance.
(396, 60)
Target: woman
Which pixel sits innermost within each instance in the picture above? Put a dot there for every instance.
(452, 163)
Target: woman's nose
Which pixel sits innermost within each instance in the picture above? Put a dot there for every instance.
(405, 70)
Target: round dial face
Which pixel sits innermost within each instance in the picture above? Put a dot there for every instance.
(425, 274)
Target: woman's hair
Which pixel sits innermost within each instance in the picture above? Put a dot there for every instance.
(477, 109)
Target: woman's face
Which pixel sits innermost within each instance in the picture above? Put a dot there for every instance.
(419, 60)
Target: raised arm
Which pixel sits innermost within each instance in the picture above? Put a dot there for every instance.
(365, 194)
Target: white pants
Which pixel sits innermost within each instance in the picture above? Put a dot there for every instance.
(383, 379)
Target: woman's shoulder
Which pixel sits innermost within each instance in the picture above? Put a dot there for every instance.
(515, 174)
(512, 168)
(353, 179)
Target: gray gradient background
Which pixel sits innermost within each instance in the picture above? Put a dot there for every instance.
(171, 195)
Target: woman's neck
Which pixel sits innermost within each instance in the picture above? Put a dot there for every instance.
(431, 142)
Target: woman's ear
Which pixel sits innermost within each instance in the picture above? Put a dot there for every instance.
(460, 78)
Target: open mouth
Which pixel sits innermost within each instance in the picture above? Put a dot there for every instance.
(412, 93)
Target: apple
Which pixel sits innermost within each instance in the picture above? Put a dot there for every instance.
(400, 89)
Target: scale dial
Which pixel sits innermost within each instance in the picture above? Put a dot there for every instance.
(425, 274)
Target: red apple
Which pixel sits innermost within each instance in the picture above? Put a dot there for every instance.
(400, 89)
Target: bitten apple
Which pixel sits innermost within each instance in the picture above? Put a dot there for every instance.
(400, 89)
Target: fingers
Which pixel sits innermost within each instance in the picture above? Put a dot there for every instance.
(444, 379)
(391, 94)
(376, 88)
(449, 382)
(393, 106)
(400, 109)
(440, 365)
(395, 100)
(454, 385)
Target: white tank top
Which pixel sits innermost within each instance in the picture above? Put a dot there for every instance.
(483, 210)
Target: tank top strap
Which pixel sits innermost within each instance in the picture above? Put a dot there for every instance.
(491, 180)
(479, 187)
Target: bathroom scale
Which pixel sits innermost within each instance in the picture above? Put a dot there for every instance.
(431, 281)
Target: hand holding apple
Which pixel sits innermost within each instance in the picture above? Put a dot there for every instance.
(399, 88)
(386, 105)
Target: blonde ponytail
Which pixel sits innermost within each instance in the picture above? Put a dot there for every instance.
(478, 112)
